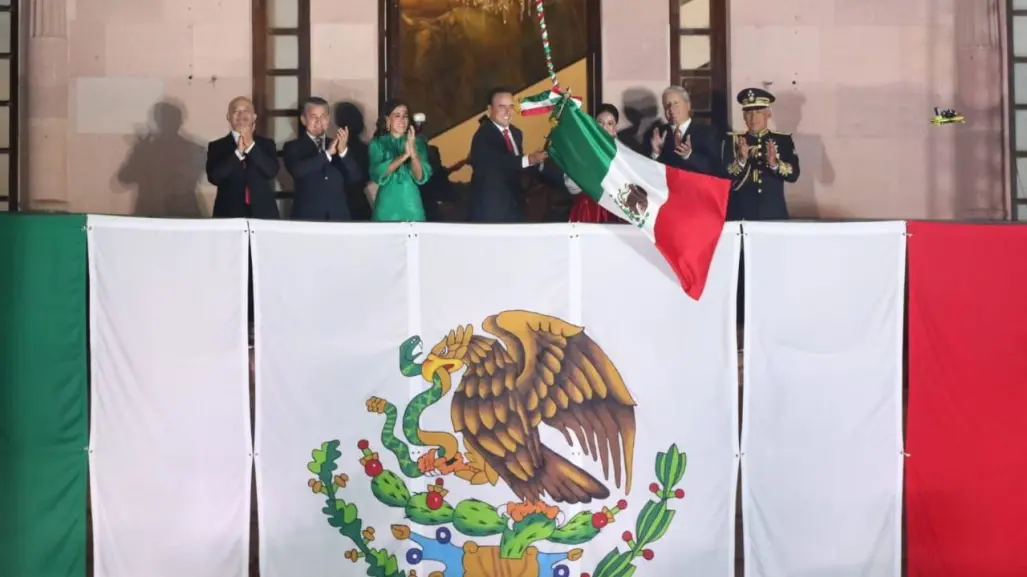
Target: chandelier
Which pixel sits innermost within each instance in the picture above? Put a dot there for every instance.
(502, 8)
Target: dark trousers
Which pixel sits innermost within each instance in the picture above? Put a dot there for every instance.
(740, 315)
(249, 293)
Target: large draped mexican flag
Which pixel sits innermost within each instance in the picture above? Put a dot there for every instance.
(510, 400)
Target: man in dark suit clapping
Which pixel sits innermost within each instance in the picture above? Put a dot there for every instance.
(243, 166)
(682, 142)
(320, 166)
(497, 159)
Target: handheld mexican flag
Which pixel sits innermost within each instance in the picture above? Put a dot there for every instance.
(682, 212)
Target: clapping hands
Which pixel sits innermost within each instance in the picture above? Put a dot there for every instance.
(410, 146)
(682, 148)
(340, 143)
(741, 149)
(657, 140)
(245, 138)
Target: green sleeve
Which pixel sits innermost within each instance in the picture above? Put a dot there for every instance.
(422, 153)
(378, 163)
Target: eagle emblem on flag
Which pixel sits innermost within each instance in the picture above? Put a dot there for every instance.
(633, 201)
(523, 372)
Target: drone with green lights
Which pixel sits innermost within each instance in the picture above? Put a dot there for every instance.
(947, 116)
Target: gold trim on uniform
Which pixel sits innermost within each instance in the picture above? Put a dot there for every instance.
(741, 181)
(733, 168)
(784, 169)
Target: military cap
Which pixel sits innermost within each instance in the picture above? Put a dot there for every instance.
(755, 98)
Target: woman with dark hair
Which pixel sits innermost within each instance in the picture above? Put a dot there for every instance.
(398, 165)
(585, 209)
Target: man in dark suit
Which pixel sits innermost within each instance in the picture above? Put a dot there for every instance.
(497, 159)
(760, 162)
(243, 166)
(320, 167)
(682, 142)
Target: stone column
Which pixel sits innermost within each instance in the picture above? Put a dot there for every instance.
(45, 186)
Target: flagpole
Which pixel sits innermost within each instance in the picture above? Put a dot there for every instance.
(547, 51)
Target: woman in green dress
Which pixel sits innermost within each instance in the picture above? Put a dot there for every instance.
(398, 165)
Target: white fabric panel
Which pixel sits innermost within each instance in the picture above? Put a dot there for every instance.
(822, 428)
(679, 359)
(170, 462)
(330, 311)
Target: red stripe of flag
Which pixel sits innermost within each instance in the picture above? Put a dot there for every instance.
(689, 225)
(966, 473)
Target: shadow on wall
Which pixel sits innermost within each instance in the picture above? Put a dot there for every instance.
(641, 108)
(164, 165)
(350, 115)
(814, 163)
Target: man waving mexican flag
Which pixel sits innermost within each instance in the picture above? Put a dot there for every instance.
(682, 212)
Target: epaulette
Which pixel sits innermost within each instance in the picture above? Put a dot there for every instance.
(780, 133)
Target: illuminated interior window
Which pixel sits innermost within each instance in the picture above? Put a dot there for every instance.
(698, 56)
(8, 106)
(1017, 28)
(281, 73)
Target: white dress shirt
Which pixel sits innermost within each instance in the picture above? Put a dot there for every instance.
(683, 128)
(506, 130)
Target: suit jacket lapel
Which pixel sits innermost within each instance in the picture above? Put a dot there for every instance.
(668, 141)
(513, 135)
(498, 132)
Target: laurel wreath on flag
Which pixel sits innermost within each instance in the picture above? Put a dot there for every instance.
(652, 522)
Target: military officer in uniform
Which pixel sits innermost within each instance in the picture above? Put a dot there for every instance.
(762, 161)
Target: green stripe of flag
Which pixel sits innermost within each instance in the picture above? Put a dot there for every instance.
(582, 149)
(43, 395)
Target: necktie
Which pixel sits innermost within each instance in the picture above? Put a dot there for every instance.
(246, 190)
(321, 145)
(509, 141)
